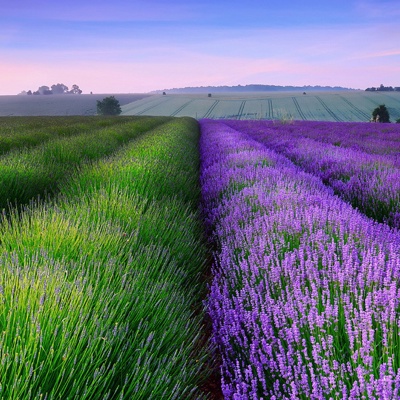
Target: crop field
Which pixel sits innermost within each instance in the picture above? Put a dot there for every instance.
(337, 106)
(58, 105)
(305, 218)
(102, 260)
(342, 106)
(160, 257)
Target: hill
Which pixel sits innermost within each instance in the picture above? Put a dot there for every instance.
(337, 105)
(252, 88)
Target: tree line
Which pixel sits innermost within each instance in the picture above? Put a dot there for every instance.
(58, 88)
(382, 88)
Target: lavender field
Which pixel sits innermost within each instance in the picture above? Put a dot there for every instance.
(304, 221)
(115, 284)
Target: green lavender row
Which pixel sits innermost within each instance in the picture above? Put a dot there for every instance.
(101, 288)
(22, 132)
(29, 173)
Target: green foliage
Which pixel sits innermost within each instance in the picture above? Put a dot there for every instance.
(108, 106)
(101, 288)
(398, 121)
(381, 114)
(24, 132)
(27, 173)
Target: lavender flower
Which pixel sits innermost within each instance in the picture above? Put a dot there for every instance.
(365, 173)
(305, 295)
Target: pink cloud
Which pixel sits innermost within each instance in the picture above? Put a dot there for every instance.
(379, 54)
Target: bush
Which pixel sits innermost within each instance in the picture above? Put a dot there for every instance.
(398, 121)
(108, 106)
(381, 114)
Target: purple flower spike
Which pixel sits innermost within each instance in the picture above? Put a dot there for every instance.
(305, 295)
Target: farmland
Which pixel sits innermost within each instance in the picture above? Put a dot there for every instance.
(101, 284)
(349, 106)
(313, 106)
(57, 105)
(141, 255)
(305, 292)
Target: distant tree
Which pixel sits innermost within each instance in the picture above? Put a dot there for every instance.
(108, 106)
(44, 90)
(381, 114)
(398, 121)
(383, 88)
(59, 88)
(75, 90)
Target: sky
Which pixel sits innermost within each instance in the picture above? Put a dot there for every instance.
(132, 46)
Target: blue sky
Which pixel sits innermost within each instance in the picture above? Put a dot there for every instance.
(138, 46)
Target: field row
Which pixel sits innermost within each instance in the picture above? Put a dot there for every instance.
(319, 106)
(101, 285)
(305, 293)
(24, 132)
(368, 181)
(104, 258)
(370, 138)
(39, 161)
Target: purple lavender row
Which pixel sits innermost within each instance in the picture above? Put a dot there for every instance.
(371, 138)
(370, 182)
(305, 294)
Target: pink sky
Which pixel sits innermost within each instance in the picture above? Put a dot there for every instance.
(119, 48)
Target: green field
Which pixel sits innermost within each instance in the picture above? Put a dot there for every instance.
(317, 106)
(102, 261)
(58, 104)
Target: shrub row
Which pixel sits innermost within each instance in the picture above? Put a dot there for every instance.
(305, 294)
(101, 288)
(32, 172)
(23, 132)
(369, 182)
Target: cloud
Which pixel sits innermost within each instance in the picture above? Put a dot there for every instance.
(381, 54)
